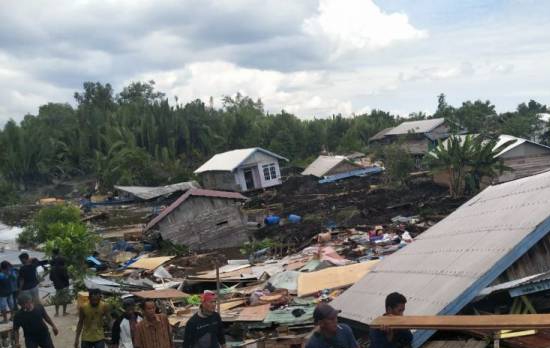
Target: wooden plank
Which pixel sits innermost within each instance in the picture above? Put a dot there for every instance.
(161, 294)
(465, 322)
(333, 277)
(150, 263)
(231, 304)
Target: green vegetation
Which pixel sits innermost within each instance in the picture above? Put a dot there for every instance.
(136, 137)
(467, 160)
(59, 226)
(250, 247)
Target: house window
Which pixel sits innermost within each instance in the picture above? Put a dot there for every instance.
(270, 173)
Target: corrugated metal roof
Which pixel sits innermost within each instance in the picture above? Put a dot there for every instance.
(230, 160)
(518, 141)
(380, 135)
(449, 264)
(323, 164)
(422, 126)
(502, 139)
(146, 193)
(193, 192)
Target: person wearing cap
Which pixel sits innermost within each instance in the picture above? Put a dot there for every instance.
(124, 328)
(388, 338)
(205, 328)
(33, 318)
(329, 333)
(154, 330)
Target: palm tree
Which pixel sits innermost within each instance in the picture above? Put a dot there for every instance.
(467, 160)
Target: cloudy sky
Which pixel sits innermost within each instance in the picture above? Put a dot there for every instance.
(310, 57)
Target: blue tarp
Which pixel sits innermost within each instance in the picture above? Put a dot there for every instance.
(358, 172)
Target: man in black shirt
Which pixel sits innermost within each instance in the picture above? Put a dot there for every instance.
(33, 318)
(28, 277)
(60, 278)
(395, 306)
(205, 328)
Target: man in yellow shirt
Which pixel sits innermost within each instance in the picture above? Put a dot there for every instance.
(90, 321)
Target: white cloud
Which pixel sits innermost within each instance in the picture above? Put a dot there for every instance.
(306, 93)
(351, 25)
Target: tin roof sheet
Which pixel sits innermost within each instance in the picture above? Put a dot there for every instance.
(449, 264)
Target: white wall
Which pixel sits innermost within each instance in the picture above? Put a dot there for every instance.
(257, 160)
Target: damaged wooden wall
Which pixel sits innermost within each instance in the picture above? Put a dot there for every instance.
(206, 223)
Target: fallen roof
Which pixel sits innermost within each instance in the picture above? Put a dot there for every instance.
(195, 193)
(323, 164)
(422, 126)
(449, 264)
(147, 193)
(230, 160)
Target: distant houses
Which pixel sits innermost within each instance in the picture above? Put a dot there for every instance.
(202, 220)
(242, 170)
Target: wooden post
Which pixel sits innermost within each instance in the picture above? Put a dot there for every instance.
(496, 336)
(218, 299)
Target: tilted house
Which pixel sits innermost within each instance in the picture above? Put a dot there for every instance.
(524, 157)
(202, 220)
(501, 232)
(242, 170)
(418, 136)
(330, 165)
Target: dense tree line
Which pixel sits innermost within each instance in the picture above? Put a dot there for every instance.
(138, 137)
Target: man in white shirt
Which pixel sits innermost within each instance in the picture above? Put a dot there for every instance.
(124, 327)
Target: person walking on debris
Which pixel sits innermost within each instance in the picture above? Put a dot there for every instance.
(330, 334)
(124, 328)
(205, 328)
(387, 338)
(153, 331)
(90, 321)
(6, 299)
(33, 318)
(60, 278)
(28, 277)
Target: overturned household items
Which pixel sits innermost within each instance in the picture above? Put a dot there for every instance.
(489, 256)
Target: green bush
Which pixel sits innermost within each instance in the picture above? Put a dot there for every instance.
(60, 228)
(45, 224)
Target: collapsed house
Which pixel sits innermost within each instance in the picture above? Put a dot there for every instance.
(146, 193)
(331, 168)
(452, 262)
(523, 158)
(330, 165)
(242, 170)
(203, 219)
(416, 137)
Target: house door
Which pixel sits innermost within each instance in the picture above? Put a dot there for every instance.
(249, 179)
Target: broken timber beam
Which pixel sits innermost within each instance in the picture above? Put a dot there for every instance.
(465, 322)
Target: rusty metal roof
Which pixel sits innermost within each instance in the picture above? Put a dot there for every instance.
(449, 264)
(193, 192)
